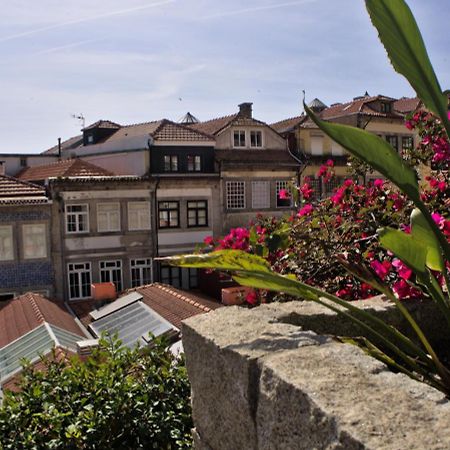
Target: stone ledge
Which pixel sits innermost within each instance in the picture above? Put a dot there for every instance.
(261, 383)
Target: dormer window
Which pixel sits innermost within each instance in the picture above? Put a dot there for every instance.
(239, 138)
(386, 107)
(256, 138)
(90, 138)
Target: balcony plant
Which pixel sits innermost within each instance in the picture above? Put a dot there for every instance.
(424, 250)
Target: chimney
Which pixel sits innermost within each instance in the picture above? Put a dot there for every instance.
(245, 110)
(85, 348)
(2, 167)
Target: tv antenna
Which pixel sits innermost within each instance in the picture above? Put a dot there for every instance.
(79, 117)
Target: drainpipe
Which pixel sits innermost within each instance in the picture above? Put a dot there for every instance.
(59, 149)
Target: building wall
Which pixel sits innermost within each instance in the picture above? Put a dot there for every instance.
(21, 274)
(95, 246)
(14, 163)
(271, 139)
(123, 163)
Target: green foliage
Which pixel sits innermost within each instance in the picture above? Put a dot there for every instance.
(117, 399)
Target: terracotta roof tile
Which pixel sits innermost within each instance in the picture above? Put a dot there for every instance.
(406, 105)
(28, 311)
(288, 124)
(103, 124)
(213, 126)
(14, 191)
(61, 169)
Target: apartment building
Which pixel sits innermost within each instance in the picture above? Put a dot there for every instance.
(381, 115)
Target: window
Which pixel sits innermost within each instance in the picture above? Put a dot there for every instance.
(316, 186)
(170, 163)
(235, 194)
(23, 162)
(193, 278)
(6, 243)
(407, 143)
(316, 145)
(108, 217)
(79, 280)
(260, 194)
(77, 218)
(171, 275)
(169, 213)
(139, 216)
(239, 138)
(392, 140)
(34, 241)
(386, 107)
(111, 271)
(336, 149)
(90, 138)
(194, 163)
(283, 202)
(255, 138)
(141, 272)
(197, 213)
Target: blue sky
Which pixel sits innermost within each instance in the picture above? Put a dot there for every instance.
(143, 60)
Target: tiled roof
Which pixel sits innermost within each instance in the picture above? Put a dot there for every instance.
(172, 304)
(288, 124)
(213, 126)
(360, 105)
(27, 312)
(69, 144)
(255, 157)
(61, 169)
(406, 105)
(103, 124)
(13, 191)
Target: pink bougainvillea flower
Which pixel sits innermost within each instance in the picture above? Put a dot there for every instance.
(409, 125)
(283, 194)
(381, 269)
(348, 182)
(306, 210)
(251, 298)
(378, 183)
(403, 270)
(438, 219)
(330, 163)
(209, 240)
(306, 191)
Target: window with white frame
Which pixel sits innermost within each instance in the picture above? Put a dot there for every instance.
(108, 217)
(256, 138)
(407, 143)
(34, 238)
(6, 243)
(111, 271)
(393, 141)
(283, 202)
(235, 191)
(260, 194)
(77, 218)
(79, 275)
(239, 138)
(141, 271)
(139, 216)
(194, 163)
(197, 213)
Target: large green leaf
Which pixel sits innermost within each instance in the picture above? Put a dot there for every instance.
(403, 42)
(422, 232)
(405, 247)
(372, 150)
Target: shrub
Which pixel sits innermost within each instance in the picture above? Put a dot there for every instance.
(118, 398)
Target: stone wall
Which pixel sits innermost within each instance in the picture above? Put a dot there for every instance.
(261, 379)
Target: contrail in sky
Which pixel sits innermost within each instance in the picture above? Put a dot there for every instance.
(256, 8)
(63, 47)
(85, 19)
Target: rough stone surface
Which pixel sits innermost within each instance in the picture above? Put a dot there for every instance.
(262, 380)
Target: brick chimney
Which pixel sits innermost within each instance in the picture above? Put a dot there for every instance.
(245, 110)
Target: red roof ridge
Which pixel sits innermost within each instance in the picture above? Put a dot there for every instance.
(40, 317)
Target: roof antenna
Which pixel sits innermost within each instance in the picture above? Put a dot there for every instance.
(81, 118)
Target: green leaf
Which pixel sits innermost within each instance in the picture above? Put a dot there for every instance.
(405, 247)
(403, 42)
(422, 232)
(373, 151)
